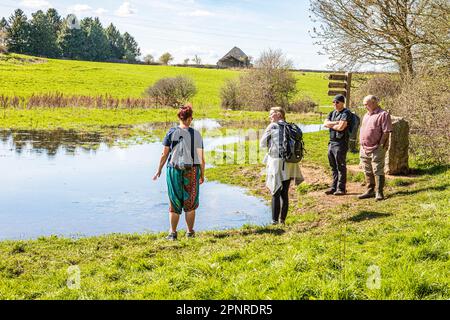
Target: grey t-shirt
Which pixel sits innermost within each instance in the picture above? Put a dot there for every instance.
(173, 137)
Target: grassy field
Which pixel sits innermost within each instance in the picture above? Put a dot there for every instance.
(331, 248)
(24, 78)
(339, 249)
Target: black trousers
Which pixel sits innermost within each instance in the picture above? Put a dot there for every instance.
(337, 156)
(281, 194)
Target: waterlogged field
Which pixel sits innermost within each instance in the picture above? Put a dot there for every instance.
(20, 78)
(330, 248)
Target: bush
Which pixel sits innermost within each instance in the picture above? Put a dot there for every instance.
(270, 83)
(229, 95)
(423, 101)
(172, 92)
(385, 87)
(302, 106)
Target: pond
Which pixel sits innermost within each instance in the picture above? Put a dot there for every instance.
(82, 184)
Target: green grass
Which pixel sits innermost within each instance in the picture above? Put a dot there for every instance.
(24, 78)
(327, 250)
(321, 254)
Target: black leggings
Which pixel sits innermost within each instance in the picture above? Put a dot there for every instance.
(283, 194)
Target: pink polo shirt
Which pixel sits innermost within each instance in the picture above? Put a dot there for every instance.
(373, 126)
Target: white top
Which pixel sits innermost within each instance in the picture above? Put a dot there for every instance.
(274, 164)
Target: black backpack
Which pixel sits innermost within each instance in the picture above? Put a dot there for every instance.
(292, 147)
(354, 123)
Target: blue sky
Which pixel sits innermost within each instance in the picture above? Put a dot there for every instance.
(203, 27)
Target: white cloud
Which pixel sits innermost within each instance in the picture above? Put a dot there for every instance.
(79, 8)
(100, 11)
(125, 10)
(198, 13)
(35, 4)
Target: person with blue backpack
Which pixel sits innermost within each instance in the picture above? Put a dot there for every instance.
(284, 142)
(339, 122)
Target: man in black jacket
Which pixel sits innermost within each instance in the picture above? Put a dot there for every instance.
(338, 121)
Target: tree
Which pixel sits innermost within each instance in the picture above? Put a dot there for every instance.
(116, 42)
(197, 60)
(132, 51)
(355, 32)
(54, 19)
(43, 38)
(71, 41)
(148, 59)
(166, 58)
(186, 61)
(96, 43)
(18, 33)
(3, 47)
(267, 85)
(4, 24)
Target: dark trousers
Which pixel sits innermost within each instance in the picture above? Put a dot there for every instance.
(281, 194)
(337, 156)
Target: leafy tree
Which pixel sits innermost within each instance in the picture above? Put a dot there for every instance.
(96, 45)
(54, 19)
(71, 41)
(149, 59)
(18, 33)
(4, 24)
(116, 42)
(132, 51)
(42, 36)
(166, 58)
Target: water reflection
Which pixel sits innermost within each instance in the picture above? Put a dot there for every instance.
(108, 190)
(50, 142)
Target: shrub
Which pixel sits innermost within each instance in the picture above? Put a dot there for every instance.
(270, 83)
(172, 92)
(384, 86)
(229, 95)
(423, 101)
(302, 106)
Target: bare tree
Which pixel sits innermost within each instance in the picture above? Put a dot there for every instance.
(267, 85)
(197, 60)
(355, 32)
(186, 61)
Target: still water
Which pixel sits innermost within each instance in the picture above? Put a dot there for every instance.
(80, 184)
(56, 187)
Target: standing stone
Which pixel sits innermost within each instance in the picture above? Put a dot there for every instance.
(397, 155)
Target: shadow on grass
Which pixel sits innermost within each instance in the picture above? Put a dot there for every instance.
(411, 192)
(247, 232)
(368, 215)
(429, 170)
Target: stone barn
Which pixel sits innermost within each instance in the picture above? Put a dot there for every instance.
(235, 58)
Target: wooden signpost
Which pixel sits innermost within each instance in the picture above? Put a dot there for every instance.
(340, 84)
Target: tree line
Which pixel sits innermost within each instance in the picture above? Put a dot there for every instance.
(49, 35)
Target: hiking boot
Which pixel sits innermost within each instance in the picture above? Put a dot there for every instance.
(370, 183)
(190, 234)
(172, 236)
(282, 222)
(330, 191)
(274, 223)
(339, 193)
(380, 185)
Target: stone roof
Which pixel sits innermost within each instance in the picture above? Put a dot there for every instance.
(235, 53)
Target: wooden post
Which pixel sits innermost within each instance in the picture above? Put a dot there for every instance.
(348, 83)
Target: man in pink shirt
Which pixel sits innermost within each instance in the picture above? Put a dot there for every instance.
(374, 140)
